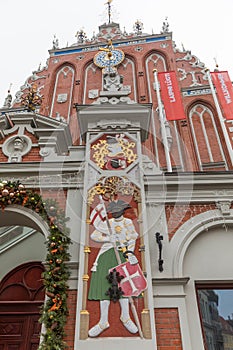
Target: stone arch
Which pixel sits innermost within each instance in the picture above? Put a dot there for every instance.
(201, 254)
(190, 230)
(21, 227)
(23, 217)
(27, 206)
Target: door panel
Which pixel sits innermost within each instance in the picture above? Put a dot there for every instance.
(21, 297)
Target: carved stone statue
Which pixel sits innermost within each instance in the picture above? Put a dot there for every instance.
(55, 43)
(165, 27)
(113, 81)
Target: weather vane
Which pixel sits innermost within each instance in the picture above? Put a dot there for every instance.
(109, 10)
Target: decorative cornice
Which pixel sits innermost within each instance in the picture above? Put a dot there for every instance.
(189, 187)
(140, 115)
(45, 175)
(170, 281)
(144, 39)
(49, 131)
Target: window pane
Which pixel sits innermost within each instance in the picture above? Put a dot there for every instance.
(216, 311)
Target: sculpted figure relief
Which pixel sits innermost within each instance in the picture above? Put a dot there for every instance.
(122, 235)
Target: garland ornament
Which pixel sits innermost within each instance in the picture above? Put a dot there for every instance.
(54, 312)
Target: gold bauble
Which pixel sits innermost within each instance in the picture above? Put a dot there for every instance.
(5, 192)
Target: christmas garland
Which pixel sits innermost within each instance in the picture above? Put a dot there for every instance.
(55, 277)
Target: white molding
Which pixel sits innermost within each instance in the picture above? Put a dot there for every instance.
(189, 231)
(23, 217)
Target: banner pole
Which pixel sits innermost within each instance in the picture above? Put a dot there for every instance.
(221, 118)
(161, 118)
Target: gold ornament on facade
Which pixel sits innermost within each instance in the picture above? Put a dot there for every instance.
(85, 278)
(127, 150)
(87, 249)
(101, 151)
(111, 186)
(84, 312)
(32, 100)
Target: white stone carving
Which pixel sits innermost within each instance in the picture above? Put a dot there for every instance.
(61, 98)
(114, 100)
(149, 167)
(104, 124)
(16, 147)
(224, 207)
(189, 57)
(113, 81)
(164, 45)
(93, 93)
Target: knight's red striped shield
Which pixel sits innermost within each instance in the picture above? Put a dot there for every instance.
(133, 282)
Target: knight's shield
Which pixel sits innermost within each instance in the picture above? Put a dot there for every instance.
(133, 281)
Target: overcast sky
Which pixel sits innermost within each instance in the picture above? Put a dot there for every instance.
(225, 306)
(27, 29)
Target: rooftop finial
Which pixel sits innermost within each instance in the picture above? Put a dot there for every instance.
(55, 42)
(216, 64)
(165, 27)
(138, 26)
(81, 36)
(8, 99)
(109, 10)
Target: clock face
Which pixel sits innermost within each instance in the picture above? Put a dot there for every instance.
(109, 58)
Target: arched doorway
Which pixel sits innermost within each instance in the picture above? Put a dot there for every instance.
(21, 296)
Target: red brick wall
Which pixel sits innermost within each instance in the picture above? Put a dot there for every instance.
(59, 195)
(168, 329)
(177, 215)
(70, 325)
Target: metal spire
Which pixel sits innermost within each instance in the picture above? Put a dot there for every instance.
(216, 64)
(109, 10)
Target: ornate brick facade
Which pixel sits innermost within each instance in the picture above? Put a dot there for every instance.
(176, 177)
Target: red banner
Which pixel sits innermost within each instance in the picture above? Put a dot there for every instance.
(224, 89)
(170, 95)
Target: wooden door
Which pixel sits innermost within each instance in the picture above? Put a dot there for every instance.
(21, 296)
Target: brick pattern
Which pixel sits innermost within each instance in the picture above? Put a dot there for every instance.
(168, 329)
(167, 326)
(58, 195)
(135, 74)
(177, 215)
(70, 325)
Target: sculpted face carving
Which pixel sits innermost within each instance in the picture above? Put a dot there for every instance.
(18, 144)
(16, 147)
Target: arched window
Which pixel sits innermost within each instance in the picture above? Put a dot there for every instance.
(155, 60)
(208, 147)
(63, 91)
